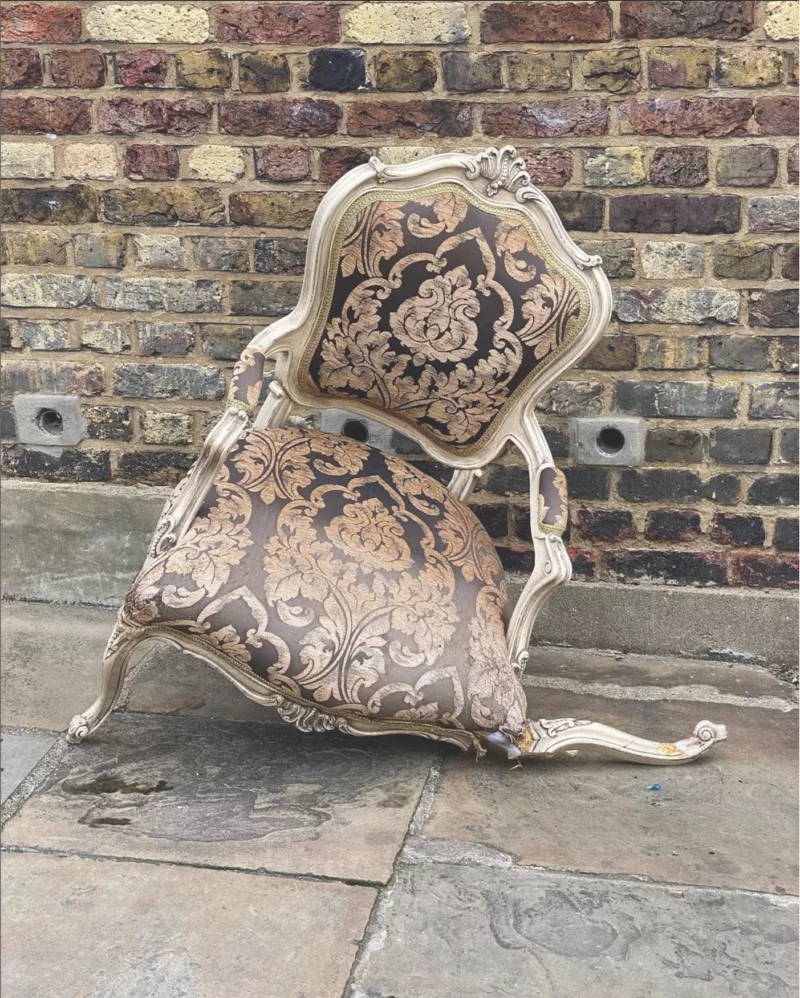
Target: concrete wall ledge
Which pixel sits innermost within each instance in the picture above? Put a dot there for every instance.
(84, 544)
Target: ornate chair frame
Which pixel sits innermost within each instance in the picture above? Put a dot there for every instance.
(500, 177)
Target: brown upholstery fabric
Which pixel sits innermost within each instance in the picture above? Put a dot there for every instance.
(344, 577)
(440, 310)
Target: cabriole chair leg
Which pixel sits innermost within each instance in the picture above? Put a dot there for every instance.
(116, 663)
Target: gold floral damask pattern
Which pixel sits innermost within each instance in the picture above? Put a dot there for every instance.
(439, 311)
(345, 578)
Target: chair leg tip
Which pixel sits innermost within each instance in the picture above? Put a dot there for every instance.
(78, 729)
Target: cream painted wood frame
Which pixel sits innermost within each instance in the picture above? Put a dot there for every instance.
(499, 178)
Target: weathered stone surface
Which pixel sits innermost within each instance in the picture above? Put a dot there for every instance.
(105, 337)
(747, 166)
(278, 23)
(677, 260)
(742, 261)
(776, 214)
(170, 428)
(410, 119)
(27, 160)
(403, 71)
(562, 935)
(83, 68)
(159, 252)
(48, 291)
(671, 213)
(322, 793)
(701, 116)
(160, 381)
(164, 205)
(145, 68)
(44, 335)
(725, 19)
(68, 464)
(151, 162)
(89, 161)
(289, 210)
(738, 353)
(99, 249)
(337, 69)
(421, 23)
(283, 163)
(548, 167)
(464, 73)
(165, 339)
(50, 206)
(168, 294)
(617, 255)
(672, 67)
(574, 116)
(263, 72)
(687, 306)
(20, 68)
(620, 166)
(778, 400)
(295, 118)
(204, 69)
(782, 20)
(280, 256)
(124, 116)
(616, 70)
(147, 22)
(218, 163)
(40, 115)
(679, 399)
(774, 309)
(664, 353)
(776, 115)
(212, 253)
(36, 22)
(749, 67)
(32, 247)
(578, 210)
(553, 22)
(51, 378)
(679, 166)
(726, 852)
(268, 298)
(314, 929)
(21, 753)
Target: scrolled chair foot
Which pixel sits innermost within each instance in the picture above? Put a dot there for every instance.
(78, 729)
(547, 738)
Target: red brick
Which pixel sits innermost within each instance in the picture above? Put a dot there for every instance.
(20, 68)
(147, 68)
(729, 19)
(548, 167)
(295, 118)
(703, 116)
(123, 116)
(584, 563)
(605, 524)
(574, 116)
(334, 163)
(40, 115)
(35, 22)
(777, 115)
(78, 68)
(546, 22)
(410, 119)
(278, 23)
(763, 570)
(283, 163)
(151, 162)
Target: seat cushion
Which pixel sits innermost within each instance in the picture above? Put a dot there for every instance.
(343, 577)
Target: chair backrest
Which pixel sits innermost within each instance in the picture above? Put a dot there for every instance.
(442, 297)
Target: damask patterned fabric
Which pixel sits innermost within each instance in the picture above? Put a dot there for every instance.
(440, 310)
(345, 578)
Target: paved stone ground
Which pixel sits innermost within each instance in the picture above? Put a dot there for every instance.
(193, 848)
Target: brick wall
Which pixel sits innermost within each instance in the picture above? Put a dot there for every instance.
(163, 160)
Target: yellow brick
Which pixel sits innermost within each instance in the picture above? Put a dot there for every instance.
(147, 22)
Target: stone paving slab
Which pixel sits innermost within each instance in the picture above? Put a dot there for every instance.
(19, 754)
(224, 793)
(76, 928)
(693, 678)
(727, 820)
(450, 931)
(52, 660)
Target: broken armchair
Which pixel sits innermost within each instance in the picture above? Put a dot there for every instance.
(340, 584)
